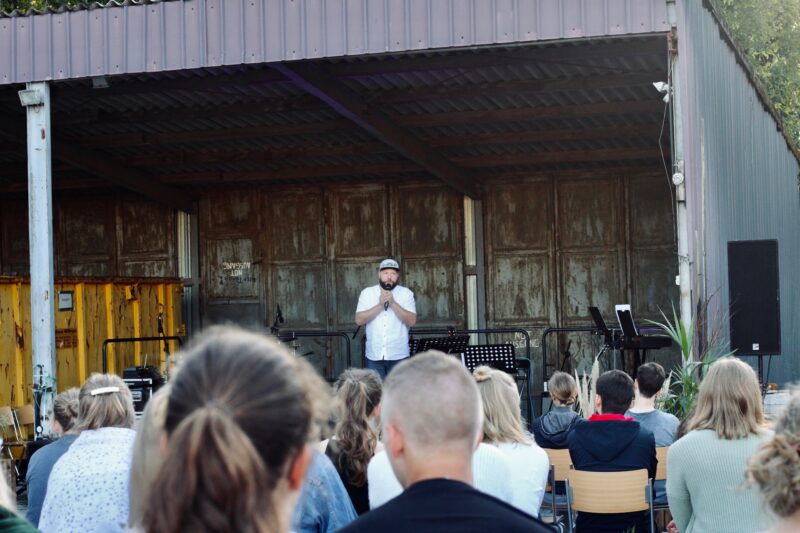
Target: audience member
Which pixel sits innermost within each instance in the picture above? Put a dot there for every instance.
(551, 429)
(147, 454)
(355, 439)
(431, 419)
(650, 378)
(611, 442)
(324, 505)
(775, 468)
(491, 470)
(706, 467)
(10, 522)
(88, 487)
(502, 427)
(240, 414)
(65, 412)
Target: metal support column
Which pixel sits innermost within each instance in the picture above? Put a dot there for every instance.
(36, 99)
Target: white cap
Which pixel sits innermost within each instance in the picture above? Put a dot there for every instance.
(389, 263)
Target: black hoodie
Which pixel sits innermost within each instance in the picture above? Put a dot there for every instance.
(612, 446)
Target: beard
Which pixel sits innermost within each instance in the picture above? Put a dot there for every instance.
(387, 285)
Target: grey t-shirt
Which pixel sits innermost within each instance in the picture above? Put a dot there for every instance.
(663, 425)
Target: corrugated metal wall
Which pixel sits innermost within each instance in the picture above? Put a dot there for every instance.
(741, 177)
(201, 33)
(555, 246)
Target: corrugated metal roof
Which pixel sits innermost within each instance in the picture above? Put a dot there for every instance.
(191, 34)
(512, 109)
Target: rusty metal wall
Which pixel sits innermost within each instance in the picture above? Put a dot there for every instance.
(554, 246)
(312, 250)
(95, 236)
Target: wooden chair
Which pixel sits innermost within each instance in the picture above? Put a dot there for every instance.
(661, 470)
(610, 492)
(560, 465)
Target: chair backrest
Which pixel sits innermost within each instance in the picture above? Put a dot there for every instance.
(561, 462)
(608, 492)
(25, 419)
(661, 470)
(8, 423)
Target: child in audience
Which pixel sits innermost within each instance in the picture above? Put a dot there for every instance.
(65, 413)
(355, 438)
(502, 428)
(88, 487)
(551, 429)
(775, 469)
(240, 416)
(706, 467)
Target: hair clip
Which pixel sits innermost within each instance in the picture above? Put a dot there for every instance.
(104, 390)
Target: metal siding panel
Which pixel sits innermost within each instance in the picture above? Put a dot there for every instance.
(651, 209)
(155, 38)
(429, 224)
(223, 279)
(397, 20)
(314, 28)
(174, 37)
(23, 38)
(215, 28)
(376, 26)
(653, 277)
(588, 278)
(520, 286)
(136, 51)
(595, 14)
(438, 290)
(117, 39)
(293, 31)
(7, 51)
(86, 237)
(300, 291)
(194, 44)
(483, 22)
(273, 30)
(589, 213)
(232, 32)
(42, 51)
(505, 20)
(350, 279)
(528, 20)
(296, 226)
(96, 44)
(356, 27)
(418, 24)
(617, 22)
(550, 23)
(14, 240)
(440, 24)
(145, 239)
(521, 216)
(360, 222)
(572, 18)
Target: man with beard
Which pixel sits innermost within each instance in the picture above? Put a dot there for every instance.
(388, 310)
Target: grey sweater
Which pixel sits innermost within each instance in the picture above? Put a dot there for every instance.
(706, 484)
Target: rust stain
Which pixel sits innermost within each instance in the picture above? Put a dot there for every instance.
(19, 336)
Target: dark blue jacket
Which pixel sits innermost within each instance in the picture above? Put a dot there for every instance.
(612, 446)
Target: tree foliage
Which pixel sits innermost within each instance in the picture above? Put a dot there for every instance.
(25, 5)
(769, 33)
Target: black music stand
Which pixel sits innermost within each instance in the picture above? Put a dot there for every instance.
(499, 356)
(610, 341)
(452, 344)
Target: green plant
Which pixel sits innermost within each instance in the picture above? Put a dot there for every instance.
(683, 383)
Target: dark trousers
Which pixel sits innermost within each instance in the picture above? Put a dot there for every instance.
(382, 367)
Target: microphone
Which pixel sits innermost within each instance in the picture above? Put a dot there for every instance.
(385, 306)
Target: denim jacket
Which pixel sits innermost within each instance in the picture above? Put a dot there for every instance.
(324, 505)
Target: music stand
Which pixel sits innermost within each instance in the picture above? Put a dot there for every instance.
(452, 344)
(499, 356)
(625, 319)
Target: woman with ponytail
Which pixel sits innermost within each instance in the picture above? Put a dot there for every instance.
(240, 416)
(355, 439)
(775, 469)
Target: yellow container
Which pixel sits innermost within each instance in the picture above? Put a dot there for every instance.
(87, 312)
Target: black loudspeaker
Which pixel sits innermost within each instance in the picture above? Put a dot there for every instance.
(755, 300)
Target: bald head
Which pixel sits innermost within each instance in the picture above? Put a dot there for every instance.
(434, 401)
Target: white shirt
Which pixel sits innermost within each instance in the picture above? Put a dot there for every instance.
(387, 335)
(491, 471)
(89, 486)
(529, 475)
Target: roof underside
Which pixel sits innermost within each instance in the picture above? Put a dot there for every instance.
(479, 113)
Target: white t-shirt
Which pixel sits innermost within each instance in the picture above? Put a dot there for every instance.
(387, 335)
(529, 475)
(490, 470)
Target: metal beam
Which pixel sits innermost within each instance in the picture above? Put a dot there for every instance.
(102, 166)
(350, 105)
(40, 234)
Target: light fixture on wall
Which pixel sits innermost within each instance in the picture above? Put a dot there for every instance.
(663, 88)
(31, 97)
(99, 82)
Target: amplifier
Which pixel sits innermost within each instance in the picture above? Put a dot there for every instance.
(143, 381)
